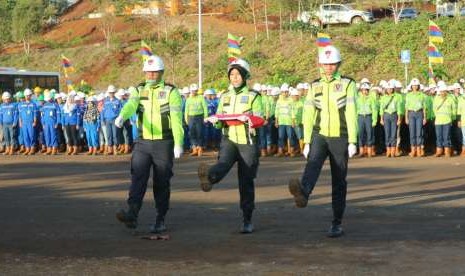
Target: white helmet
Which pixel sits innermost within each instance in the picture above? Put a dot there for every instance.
(276, 91)
(242, 64)
(6, 95)
(365, 85)
(300, 86)
(48, 97)
(111, 89)
(257, 87)
(365, 80)
(293, 92)
(284, 87)
(329, 55)
(210, 91)
(193, 87)
(414, 81)
(185, 90)
(27, 92)
(264, 87)
(153, 64)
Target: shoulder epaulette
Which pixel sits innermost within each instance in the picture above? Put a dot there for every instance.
(317, 80)
(347, 78)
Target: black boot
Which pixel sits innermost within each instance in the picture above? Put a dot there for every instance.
(205, 183)
(247, 226)
(159, 226)
(129, 218)
(335, 231)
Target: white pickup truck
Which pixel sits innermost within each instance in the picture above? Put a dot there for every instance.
(337, 14)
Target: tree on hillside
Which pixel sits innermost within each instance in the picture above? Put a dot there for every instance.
(5, 21)
(27, 21)
(107, 22)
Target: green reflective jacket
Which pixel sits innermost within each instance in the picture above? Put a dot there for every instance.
(330, 109)
(244, 101)
(159, 110)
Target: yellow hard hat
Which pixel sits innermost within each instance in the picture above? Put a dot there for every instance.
(37, 89)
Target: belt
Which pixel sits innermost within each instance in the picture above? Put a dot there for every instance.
(419, 110)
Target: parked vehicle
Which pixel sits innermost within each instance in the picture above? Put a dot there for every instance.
(408, 13)
(336, 14)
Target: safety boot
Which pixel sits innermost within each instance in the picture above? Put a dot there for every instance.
(48, 152)
(421, 151)
(280, 153)
(12, 151)
(295, 189)
(199, 151)
(101, 149)
(159, 226)
(32, 150)
(127, 149)
(397, 151)
(202, 172)
(115, 150)
(43, 149)
(263, 153)
(194, 151)
(54, 150)
(69, 150)
(291, 152)
(2, 149)
(91, 150)
(413, 151)
(129, 217)
(362, 151)
(373, 151)
(247, 226)
(269, 150)
(75, 150)
(335, 231)
(388, 151)
(369, 152)
(7, 151)
(438, 152)
(463, 151)
(22, 149)
(447, 152)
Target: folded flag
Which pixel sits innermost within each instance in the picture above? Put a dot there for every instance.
(435, 33)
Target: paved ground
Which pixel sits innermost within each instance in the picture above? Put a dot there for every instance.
(404, 216)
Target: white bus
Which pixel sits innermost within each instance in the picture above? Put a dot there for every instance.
(13, 80)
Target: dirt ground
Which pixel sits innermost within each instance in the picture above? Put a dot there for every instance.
(404, 216)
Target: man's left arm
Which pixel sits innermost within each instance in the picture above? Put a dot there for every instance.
(175, 103)
(351, 113)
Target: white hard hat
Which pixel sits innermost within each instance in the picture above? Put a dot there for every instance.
(100, 97)
(121, 92)
(383, 84)
(269, 87)
(153, 64)
(47, 97)
(264, 87)
(58, 96)
(306, 85)
(276, 91)
(377, 89)
(293, 92)
(6, 95)
(300, 86)
(284, 87)
(414, 81)
(257, 87)
(441, 83)
(193, 87)
(442, 87)
(111, 89)
(398, 84)
(185, 90)
(365, 85)
(365, 80)
(329, 55)
(242, 64)
(27, 92)
(63, 95)
(456, 86)
(210, 91)
(81, 94)
(91, 99)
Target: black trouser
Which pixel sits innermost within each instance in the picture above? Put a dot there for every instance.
(72, 134)
(336, 148)
(159, 155)
(247, 157)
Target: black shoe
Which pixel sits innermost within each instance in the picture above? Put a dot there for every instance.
(300, 199)
(127, 218)
(158, 228)
(247, 228)
(335, 231)
(205, 183)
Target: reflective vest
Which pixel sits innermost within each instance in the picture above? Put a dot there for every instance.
(330, 109)
(443, 108)
(283, 112)
(159, 112)
(241, 102)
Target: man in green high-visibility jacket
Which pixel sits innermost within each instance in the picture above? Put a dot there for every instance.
(195, 112)
(158, 106)
(239, 143)
(330, 129)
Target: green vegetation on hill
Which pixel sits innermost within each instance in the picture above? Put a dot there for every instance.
(369, 50)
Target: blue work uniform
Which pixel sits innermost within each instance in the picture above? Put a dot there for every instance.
(28, 113)
(111, 109)
(50, 116)
(8, 121)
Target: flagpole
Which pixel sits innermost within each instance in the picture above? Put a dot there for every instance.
(200, 43)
